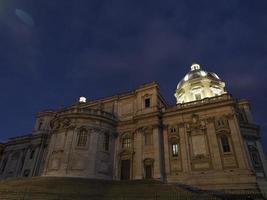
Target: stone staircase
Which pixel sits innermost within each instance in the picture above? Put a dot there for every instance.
(219, 194)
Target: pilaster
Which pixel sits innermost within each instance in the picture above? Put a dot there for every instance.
(262, 156)
(166, 150)
(237, 141)
(184, 148)
(157, 154)
(213, 144)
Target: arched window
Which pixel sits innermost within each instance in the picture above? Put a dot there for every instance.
(225, 144)
(126, 141)
(82, 138)
(175, 149)
(106, 142)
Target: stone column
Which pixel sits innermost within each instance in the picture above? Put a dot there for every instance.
(188, 95)
(166, 151)
(68, 149)
(138, 154)
(206, 90)
(213, 145)
(5, 172)
(184, 143)
(157, 153)
(248, 155)
(248, 113)
(115, 157)
(262, 156)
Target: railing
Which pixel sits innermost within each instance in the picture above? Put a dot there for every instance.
(205, 101)
(180, 195)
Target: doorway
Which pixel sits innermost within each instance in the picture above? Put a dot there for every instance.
(125, 169)
(148, 171)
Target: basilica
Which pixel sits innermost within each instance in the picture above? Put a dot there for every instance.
(208, 139)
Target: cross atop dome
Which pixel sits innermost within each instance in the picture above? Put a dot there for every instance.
(195, 66)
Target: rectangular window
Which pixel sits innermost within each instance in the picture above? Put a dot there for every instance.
(175, 150)
(225, 144)
(147, 102)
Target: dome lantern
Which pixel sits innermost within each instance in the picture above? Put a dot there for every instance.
(195, 66)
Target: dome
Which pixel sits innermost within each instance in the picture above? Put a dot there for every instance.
(197, 81)
(196, 73)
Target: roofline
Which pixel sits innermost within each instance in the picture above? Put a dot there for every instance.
(122, 94)
(19, 137)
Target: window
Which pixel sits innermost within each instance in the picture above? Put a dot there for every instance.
(106, 142)
(147, 102)
(82, 138)
(220, 122)
(148, 139)
(198, 96)
(175, 150)
(225, 144)
(126, 142)
(173, 130)
(32, 154)
(255, 158)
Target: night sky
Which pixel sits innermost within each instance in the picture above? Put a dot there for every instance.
(53, 51)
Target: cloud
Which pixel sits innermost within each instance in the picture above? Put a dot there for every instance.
(20, 49)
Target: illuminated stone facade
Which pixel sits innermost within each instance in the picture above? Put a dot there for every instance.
(208, 141)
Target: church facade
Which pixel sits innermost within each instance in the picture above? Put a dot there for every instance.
(208, 139)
